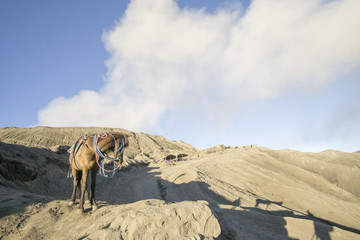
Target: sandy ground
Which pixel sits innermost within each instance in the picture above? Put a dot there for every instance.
(219, 193)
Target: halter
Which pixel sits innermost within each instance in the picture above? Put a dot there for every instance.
(102, 155)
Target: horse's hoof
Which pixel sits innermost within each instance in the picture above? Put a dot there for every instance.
(80, 211)
(71, 203)
(94, 207)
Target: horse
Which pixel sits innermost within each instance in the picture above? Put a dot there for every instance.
(87, 155)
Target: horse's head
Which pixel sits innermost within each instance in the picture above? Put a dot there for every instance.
(111, 146)
(120, 142)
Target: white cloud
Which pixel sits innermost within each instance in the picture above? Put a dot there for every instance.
(168, 59)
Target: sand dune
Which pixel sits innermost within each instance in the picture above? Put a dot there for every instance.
(219, 193)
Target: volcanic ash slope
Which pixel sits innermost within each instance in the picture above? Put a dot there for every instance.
(222, 192)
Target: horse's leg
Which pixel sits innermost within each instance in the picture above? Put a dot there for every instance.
(92, 191)
(87, 196)
(76, 176)
(85, 173)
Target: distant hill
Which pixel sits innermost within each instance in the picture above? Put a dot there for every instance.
(50, 137)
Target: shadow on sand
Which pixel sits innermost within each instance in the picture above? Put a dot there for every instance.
(255, 222)
(30, 175)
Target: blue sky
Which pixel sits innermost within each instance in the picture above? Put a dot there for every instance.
(281, 74)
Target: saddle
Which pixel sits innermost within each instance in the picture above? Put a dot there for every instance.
(74, 149)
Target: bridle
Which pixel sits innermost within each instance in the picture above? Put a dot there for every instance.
(100, 155)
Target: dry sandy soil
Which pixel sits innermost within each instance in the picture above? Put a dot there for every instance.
(247, 192)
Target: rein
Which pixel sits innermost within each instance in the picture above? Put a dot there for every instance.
(100, 155)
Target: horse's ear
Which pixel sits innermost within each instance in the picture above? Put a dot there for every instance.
(127, 139)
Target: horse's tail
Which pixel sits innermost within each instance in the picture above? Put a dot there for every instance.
(69, 174)
(71, 159)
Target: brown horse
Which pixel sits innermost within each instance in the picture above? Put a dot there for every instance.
(87, 155)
